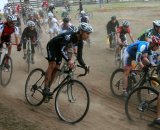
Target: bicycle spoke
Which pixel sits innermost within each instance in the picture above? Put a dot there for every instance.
(117, 83)
(143, 106)
(6, 71)
(34, 86)
(75, 100)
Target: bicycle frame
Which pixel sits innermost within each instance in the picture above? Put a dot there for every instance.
(29, 50)
(145, 78)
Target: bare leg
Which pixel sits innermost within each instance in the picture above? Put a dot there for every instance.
(54, 74)
(50, 70)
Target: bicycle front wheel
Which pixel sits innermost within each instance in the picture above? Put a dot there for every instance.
(145, 108)
(73, 105)
(6, 71)
(34, 87)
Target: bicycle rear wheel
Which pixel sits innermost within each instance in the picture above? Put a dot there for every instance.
(136, 109)
(6, 71)
(75, 100)
(117, 82)
(34, 86)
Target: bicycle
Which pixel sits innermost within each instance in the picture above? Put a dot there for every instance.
(144, 107)
(134, 81)
(113, 41)
(29, 55)
(6, 66)
(63, 100)
(119, 57)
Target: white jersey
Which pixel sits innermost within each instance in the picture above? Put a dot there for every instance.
(52, 23)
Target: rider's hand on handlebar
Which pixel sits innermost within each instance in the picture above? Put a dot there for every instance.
(87, 68)
(71, 64)
(19, 47)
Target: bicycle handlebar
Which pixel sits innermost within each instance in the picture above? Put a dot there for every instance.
(87, 69)
(80, 75)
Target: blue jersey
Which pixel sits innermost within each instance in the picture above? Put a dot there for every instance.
(138, 48)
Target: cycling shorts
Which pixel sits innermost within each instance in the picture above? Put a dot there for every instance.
(53, 55)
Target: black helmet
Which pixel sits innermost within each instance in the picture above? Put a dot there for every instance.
(113, 17)
(66, 20)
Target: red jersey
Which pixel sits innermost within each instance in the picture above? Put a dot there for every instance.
(122, 31)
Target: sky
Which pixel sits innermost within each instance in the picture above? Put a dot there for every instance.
(2, 3)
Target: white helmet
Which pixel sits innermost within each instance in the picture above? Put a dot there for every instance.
(156, 23)
(86, 27)
(31, 23)
(83, 12)
(12, 18)
(125, 23)
(50, 15)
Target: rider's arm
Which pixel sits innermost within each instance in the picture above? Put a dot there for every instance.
(108, 28)
(80, 53)
(23, 35)
(130, 34)
(131, 37)
(64, 54)
(138, 59)
(118, 37)
(140, 50)
(16, 35)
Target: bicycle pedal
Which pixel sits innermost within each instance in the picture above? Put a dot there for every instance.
(46, 100)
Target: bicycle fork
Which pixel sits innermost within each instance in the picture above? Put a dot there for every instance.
(71, 98)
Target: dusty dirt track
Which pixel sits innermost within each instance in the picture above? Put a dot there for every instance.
(106, 112)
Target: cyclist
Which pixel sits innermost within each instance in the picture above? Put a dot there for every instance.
(64, 14)
(37, 23)
(18, 23)
(65, 25)
(56, 50)
(53, 25)
(155, 31)
(84, 17)
(111, 27)
(44, 5)
(51, 8)
(136, 52)
(121, 35)
(29, 32)
(6, 30)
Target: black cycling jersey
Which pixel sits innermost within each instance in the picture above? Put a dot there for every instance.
(147, 34)
(51, 8)
(57, 47)
(111, 27)
(28, 33)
